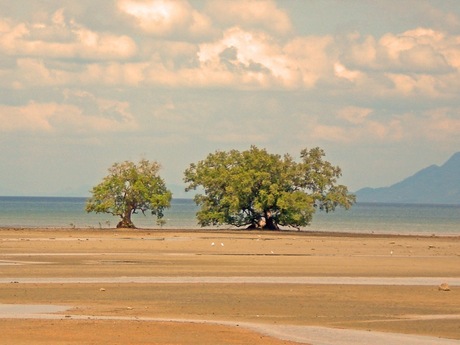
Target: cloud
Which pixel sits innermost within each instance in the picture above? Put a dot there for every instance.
(353, 134)
(58, 50)
(165, 18)
(175, 47)
(32, 117)
(342, 72)
(259, 60)
(32, 72)
(354, 125)
(416, 85)
(252, 57)
(311, 57)
(81, 112)
(419, 50)
(262, 15)
(358, 134)
(113, 74)
(58, 38)
(419, 64)
(436, 125)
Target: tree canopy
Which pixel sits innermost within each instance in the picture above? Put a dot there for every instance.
(130, 188)
(257, 189)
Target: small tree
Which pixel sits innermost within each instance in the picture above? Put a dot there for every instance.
(130, 188)
(257, 189)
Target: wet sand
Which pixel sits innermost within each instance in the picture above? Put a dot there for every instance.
(228, 287)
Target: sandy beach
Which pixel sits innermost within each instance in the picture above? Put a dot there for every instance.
(74, 286)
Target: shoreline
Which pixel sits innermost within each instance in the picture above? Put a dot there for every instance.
(313, 233)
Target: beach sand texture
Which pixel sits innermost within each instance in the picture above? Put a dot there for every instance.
(226, 287)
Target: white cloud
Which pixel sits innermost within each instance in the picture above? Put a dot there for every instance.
(257, 59)
(359, 52)
(68, 117)
(312, 57)
(92, 45)
(419, 63)
(32, 117)
(59, 39)
(420, 50)
(342, 72)
(166, 17)
(254, 56)
(262, 15)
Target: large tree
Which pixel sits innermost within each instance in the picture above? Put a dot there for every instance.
(256, 189)
(130, 188)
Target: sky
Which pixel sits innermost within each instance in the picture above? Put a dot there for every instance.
(85, 84)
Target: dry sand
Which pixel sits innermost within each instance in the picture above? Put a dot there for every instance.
(227, 287)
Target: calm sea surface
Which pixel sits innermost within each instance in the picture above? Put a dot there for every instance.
(362, 218)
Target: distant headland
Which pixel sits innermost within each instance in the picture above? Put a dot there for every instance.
(432, 185)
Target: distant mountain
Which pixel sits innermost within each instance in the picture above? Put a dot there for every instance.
(432, 185)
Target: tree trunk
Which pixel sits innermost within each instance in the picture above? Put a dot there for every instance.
(126, 221)
(270, 223)
(266, 222)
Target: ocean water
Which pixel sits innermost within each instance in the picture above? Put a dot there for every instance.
(361, 218)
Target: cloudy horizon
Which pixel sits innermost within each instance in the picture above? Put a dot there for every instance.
(86, 84)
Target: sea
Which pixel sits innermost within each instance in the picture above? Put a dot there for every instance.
(363, 218)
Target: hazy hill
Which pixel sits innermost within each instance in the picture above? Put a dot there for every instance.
(434, 184)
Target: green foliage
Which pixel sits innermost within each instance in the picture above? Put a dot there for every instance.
(130, 188)
(261, 190)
